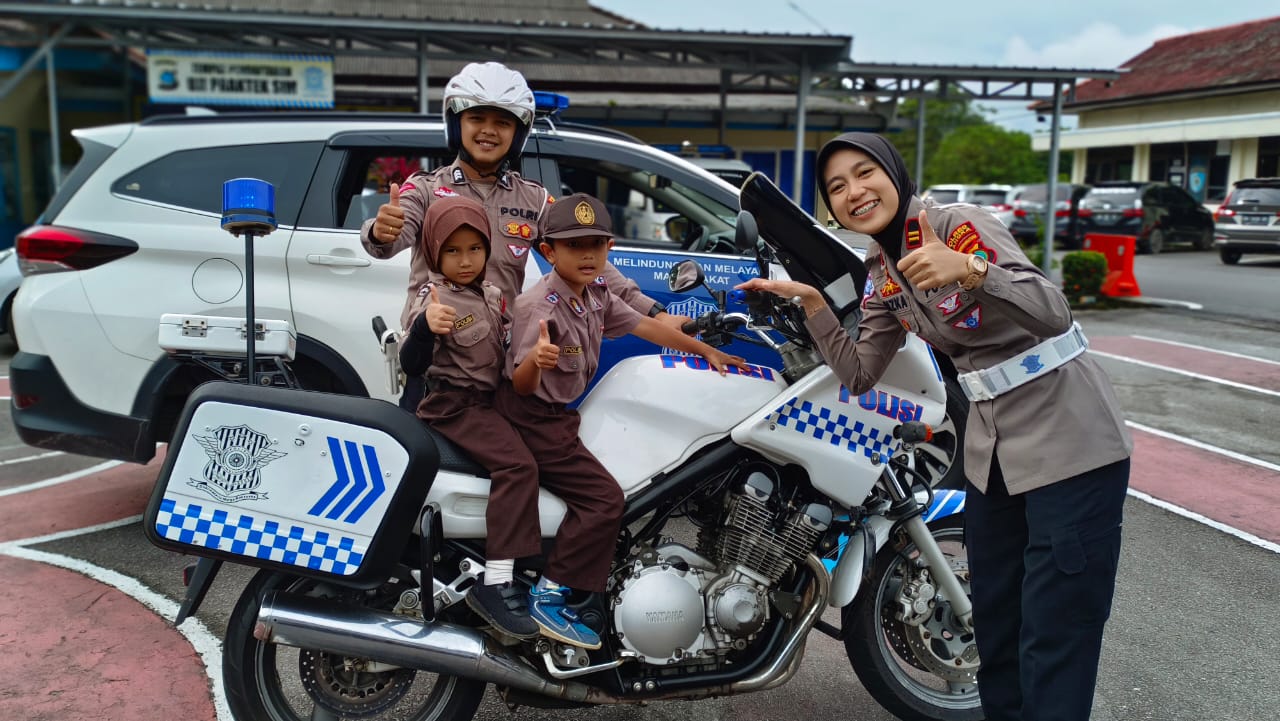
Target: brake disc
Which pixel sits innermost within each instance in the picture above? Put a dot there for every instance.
(939, 645)
(339, 684)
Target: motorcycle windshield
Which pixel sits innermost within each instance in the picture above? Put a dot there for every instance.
(809, 252)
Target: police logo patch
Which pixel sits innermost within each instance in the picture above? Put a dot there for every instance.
(236, 457)
(867, 291)
(913, 236)
(584, 213)
(424, 291)
(553, 297)
(461, 323)
(971, 321)
(444, 193)
(890, 288)
(517, 251)
(571, 349)
(599, 281)
(949, 305)
(459, 176)
(576, 306)
(1032, 364)
(406, 186)
(966, 239)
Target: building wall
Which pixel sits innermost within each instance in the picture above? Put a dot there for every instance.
(1163, 112)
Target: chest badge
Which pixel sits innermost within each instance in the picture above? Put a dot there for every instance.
(443, 193)
(889, 288)
(517, 250)
(576, 306)
(971, 321)
(949, 305)
(518, 230)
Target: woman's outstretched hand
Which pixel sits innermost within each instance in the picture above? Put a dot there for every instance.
(809, 296)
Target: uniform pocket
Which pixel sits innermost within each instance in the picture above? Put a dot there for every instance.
(471, 329)
(1068, 552)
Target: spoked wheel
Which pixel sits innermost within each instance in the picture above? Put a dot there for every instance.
(925, 669)
(941, 460)
(269, 682)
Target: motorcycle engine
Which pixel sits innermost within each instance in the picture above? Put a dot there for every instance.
(677, 605)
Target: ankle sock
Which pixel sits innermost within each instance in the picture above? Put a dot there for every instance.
(500, 571)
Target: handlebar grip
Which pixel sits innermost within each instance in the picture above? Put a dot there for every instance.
(691, 327)
(914, 432)
(379, 327)
(737, 296)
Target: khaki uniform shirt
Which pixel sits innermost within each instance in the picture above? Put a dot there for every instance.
(577, 326)
(1059, 425)
(472, 355)
(514, 206)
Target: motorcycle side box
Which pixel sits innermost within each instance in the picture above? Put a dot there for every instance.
(315, 484)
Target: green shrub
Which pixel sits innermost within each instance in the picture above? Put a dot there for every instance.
(1083, 272)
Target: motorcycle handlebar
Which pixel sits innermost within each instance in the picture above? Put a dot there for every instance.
(379, 327)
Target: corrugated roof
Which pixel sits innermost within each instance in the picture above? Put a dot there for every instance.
(1233, 56)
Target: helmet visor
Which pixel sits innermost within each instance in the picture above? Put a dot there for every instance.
(458, 103)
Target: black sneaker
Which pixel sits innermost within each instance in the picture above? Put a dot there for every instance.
(505, 606)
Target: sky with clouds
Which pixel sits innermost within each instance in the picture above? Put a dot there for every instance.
(1075, 34)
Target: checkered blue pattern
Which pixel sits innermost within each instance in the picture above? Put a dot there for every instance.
(244, 535)
(827, 425)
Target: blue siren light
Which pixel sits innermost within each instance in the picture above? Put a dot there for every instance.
(248, 206)
(545, 102)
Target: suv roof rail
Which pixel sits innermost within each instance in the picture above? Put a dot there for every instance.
(288, 116)
(1258, 183)
(559, 124)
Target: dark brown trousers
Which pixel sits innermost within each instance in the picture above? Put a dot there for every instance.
(467, 417)
(587, 536)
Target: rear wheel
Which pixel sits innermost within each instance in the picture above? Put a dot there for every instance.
(920, 671)
(269, 682)
(1155, 242)
(1229, 257)
(1204, 241)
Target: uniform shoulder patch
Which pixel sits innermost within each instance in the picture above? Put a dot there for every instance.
(913, 237)
(407, 186)
(443, 192)
(971, 321)
(965, 238)
(517, 250)
(553, 297)
(599, 281)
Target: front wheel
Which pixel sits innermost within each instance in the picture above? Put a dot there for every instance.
(1229, 257)
(269, 682)
(923, 669)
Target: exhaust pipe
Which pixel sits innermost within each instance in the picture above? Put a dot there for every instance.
(315, 623)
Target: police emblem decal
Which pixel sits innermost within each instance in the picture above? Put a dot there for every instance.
(576, 305)
(584, 214)
(517, 251)
(236, 457)
(1032, 364)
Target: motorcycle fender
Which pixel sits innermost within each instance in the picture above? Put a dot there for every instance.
(855, 562)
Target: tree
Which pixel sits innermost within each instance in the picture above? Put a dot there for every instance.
(986, 154)
(942, 117)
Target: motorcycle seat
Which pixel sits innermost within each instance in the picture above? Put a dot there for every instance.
(453, 458)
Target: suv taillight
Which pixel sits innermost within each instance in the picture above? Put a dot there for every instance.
(1132, 213)
(1019, 212)
(51, 249)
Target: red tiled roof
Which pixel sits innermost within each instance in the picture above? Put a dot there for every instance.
(1243, 54)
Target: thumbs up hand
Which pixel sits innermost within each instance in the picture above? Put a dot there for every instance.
(390, 219)
(545, 353)
(933, 264)
(440, 317)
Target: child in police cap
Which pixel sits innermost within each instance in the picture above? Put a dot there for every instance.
(558, 326)
(458, 339)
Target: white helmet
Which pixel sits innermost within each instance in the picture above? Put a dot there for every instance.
(491, 85)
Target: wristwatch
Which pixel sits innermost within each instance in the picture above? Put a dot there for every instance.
(977, 273)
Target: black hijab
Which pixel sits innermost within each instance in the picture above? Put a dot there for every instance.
(883, 152)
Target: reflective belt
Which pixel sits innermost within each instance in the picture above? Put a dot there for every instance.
(1028, 365)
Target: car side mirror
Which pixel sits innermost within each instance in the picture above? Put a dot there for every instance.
(685, 276)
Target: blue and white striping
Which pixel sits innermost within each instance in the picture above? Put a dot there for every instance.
(825, 424)
(245, 535)
(945, 503)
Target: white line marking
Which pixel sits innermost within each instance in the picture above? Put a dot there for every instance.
(1179, 510)
(1179, 371)
(36, 457)
(197, 634)
(1148, 300)
(1205, 446)
(1209, 350)
(59, 479)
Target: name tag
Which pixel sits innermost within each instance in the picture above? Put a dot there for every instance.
(463, 322)
(571, 349)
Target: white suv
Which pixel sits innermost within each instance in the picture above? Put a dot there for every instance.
(135, 233)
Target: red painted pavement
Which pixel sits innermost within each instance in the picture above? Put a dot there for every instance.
(105, 496)
(73, 649)
(4, 387)
(1236, 493)
(1240, 370)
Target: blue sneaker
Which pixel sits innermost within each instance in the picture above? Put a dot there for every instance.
(558, 621)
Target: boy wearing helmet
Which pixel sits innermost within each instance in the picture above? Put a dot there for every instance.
(488, 114)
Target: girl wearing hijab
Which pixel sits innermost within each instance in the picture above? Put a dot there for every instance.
(1046, 450)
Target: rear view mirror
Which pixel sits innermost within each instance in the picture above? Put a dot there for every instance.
(685, 276)
(677, 227)
(747, 233)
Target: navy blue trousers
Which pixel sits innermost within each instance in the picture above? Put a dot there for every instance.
(1043, 569)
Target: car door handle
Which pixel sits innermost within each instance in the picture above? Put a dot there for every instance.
(338, 261)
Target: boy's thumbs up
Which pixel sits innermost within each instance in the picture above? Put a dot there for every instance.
(395, 195)
(544, 336)
(435, 295)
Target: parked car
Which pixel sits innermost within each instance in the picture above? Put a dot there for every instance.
(734, 172)
(1156, 213)
(134, 233)
(996, 198)
(10, 279)
(1248, 221)
(1029, 209)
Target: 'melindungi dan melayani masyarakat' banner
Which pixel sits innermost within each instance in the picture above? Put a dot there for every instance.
(254, 79)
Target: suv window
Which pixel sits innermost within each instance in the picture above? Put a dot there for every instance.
(987, 197)
(194, 178)
(1118, 197)
(944, 197)
(1256, 196)
(366, 184)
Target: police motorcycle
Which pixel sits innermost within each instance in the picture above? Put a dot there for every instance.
(754, 502)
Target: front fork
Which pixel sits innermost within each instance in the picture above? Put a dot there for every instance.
(907, 506)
